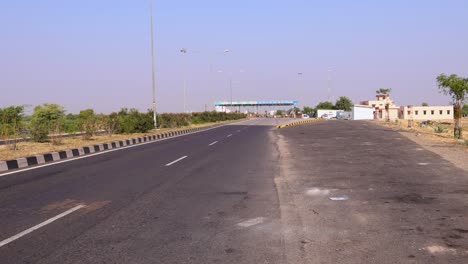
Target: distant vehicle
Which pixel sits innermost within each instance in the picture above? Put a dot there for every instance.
(326, 116)
(305, 116)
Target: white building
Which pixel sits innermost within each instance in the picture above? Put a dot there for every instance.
(426, 112)
(362, 112)
(327, 113)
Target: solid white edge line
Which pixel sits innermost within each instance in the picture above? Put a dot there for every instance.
(50, 220)
(110, 150)
(230, 135)
(212, 143)
(177, 160)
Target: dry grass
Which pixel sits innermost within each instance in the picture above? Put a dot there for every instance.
(25, 149)
(428, 131)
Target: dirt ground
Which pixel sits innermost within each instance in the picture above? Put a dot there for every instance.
(25, 149)
(443, 144)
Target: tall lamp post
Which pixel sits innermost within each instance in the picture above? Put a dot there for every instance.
(184, 53)
(152, 66)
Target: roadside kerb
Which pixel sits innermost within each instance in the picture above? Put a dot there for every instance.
(300, 122)
(20, 163)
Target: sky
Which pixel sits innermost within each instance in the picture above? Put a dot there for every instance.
(97, 53)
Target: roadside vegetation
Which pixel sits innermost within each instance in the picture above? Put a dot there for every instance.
(457, 88)
(46, 126)
(343, 103)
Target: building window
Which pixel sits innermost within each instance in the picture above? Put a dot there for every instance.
(440, 112)
(416, 112)
(424, 112)
(448, 112)
(432, 112)
(409, 112)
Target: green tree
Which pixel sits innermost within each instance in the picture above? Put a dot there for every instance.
(465, 110)
(424, 104)
(308, 110)
(383, 91)
(45, 119)
(325, 105)
(457, 88)
(70, 123)
(11, 122)
(279, 112)
(344, 103)
(87, 122)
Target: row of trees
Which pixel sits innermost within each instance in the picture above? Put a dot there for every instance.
(48, 121)
(343, 103)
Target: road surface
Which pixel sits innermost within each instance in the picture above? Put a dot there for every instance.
(243, 193)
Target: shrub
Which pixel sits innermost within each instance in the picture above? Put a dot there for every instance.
(132, 121)
(11, 123)
(70, 124)
(87, 122)
(440, 129)
(46, 118)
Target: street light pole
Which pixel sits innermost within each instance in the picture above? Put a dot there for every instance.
(230, 87)
(184, 52)
(152, 66)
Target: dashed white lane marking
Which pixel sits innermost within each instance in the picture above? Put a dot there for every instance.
(177, 160)
(27, 231)
(238, 130)
(423, 164)
(111, 150)
(251, 222)
(230, 135)
(212, 143)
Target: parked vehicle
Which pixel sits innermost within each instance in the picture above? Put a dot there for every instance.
(305, 116)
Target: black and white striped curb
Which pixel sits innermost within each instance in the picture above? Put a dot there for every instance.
(300, 122)
(21, 163)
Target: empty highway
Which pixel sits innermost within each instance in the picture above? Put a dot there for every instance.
(328, 192)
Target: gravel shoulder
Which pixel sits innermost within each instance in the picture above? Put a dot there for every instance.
(355, 192)
(443, 145)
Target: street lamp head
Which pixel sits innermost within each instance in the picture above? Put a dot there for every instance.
(183, 50)
(226, 50)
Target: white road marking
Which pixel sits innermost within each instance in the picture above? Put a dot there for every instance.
(317, 191)
(252, 222)
(177, 160)
(27, 231)
(110, 150)
(423, 164)
(230, 135)
(238, 130)
(211, 144)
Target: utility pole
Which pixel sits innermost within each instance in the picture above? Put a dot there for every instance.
(329, 84)
(152, 66)
(184, 52)
(230, 87)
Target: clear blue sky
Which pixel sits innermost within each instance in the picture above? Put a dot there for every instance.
(96, 53)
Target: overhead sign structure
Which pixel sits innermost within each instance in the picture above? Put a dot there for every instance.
(256, 103)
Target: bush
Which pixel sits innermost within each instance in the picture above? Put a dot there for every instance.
(132, 121)
(11, 120)
(173, 120)
(440, 129)
(70, 124)
(46, 118)
(87, 123)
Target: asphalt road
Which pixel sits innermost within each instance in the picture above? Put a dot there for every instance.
(243, 193)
